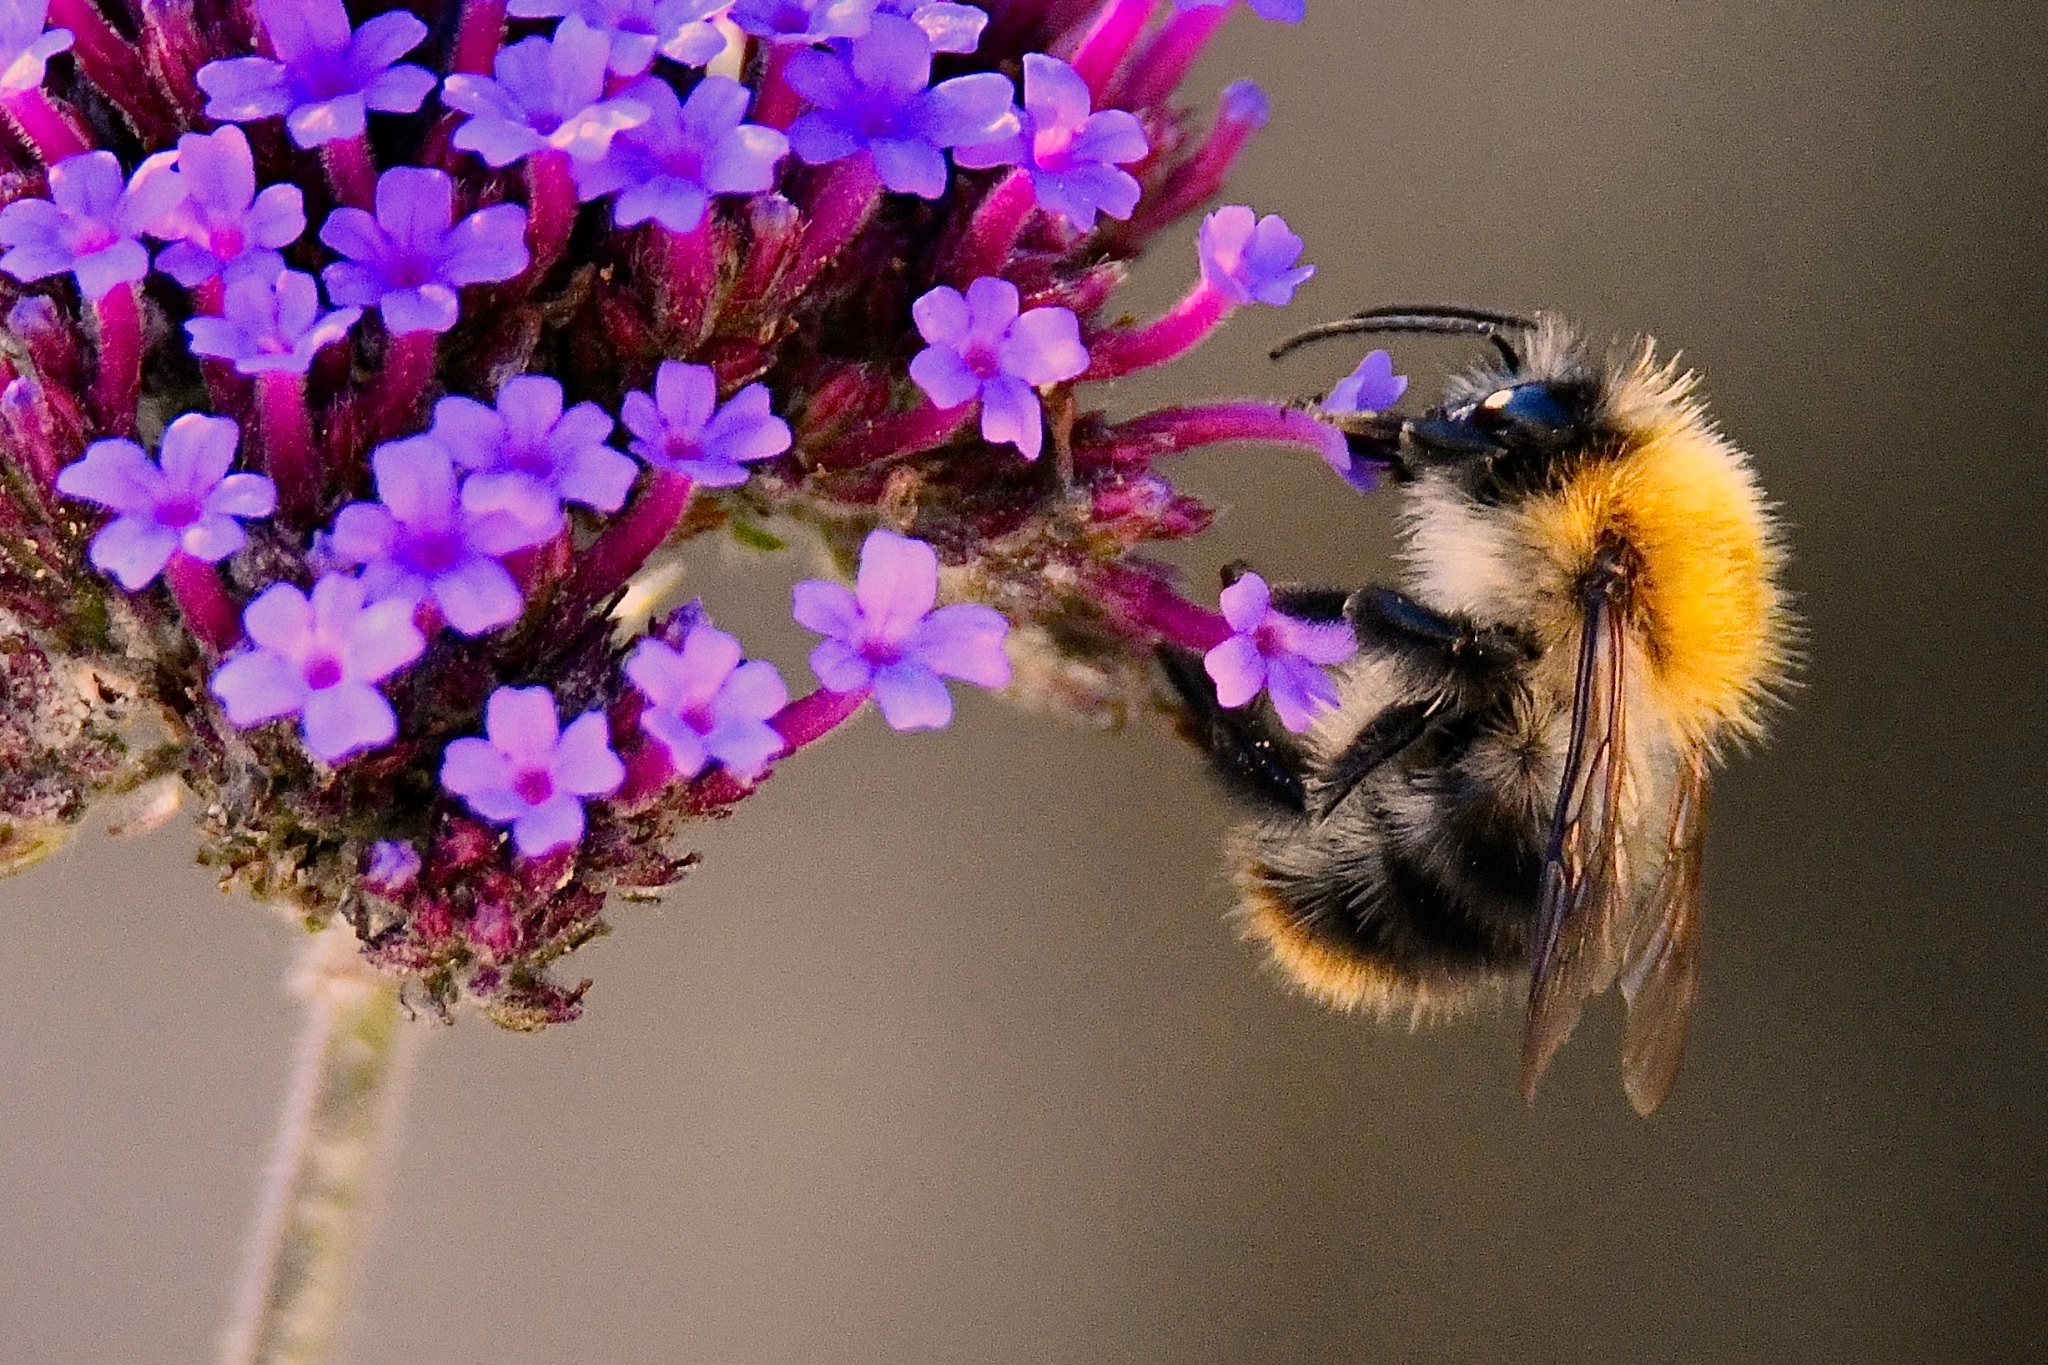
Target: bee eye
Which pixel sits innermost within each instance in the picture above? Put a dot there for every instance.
(1535, 408)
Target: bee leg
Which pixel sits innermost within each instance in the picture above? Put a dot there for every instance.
(1383, 737)
(1259, 765)
(1396, 623)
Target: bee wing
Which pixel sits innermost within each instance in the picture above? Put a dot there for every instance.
(1660, 979)
(1580, 937)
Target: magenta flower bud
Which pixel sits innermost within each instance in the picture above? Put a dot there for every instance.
(1277, 654)
(326, 77)
(531, 773)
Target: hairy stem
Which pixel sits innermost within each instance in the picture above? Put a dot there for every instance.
(323, 1175)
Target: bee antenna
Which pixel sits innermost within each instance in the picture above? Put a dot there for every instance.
(1446, 320)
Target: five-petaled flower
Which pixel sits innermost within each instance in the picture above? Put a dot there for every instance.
(270, 326)
(1275, 653)
(408, 261)
(531, 772)
(320, 660)
(220, 222)
(982, 347)
(947, 26)
(184, 501)
(803, 21)
(668, 167)
(541, 455)
(431, 538)
(682, 428)
(871, 99)
(88, 225)
(684, 31)
(1372, 387)
(326, 76)
(705, 706)
(543, 95)
(25, 45)
(1249, 259)
(1073, 154)
(885, 635)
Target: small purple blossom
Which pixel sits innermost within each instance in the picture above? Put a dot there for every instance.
(25, 45)
(1286, 11)
(543, 455)
(885, 635)
(682, 428)
(320, 660)
(982, 347)
(705, 706)
(88, 226)
(183, 500)
(428, 538)
(948, 27)
(670, 166)
(1372, 387)
(530, 773)
(803, 21)
(683, 31)
(1248, 259)
(326, 77)
(1072, 153)
(1277, 654)
(219, 222)
(408, 261)
(270, 325)
(872, 99)
(544, 94)
(391, 867)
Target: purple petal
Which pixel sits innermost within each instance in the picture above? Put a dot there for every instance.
(745, 430)
(382, 640)
(488, 245)
(473, 768)
(415, 479)
(1112, 136)
(122, 263)
(584, 762)
(1299, 691)
(942, 317)
(1238, 670)
(897, 584)
(133, 549)
(400, 90)
(114, 473)
(415, 205)
(478, 595)
(279, 620)
(992, 303)
(346, 719)
(243, 88)
(1011, 412)
(817, 140)
(554, 824)
(521, 722)
(1246, 602)
(197, 451)
(911, 697)
(968, 110)
(212, 538)
(840, 668)
(686, 752)
(1044, 347)
(383, 40)
(909, 166)
(828, 608)
(1372, 387)
(330, 120)
(429, 308)
(596, 476)
(686, 395)
(708, 658)
(745, 747)
(754, 691)
(944, 377)
(1055, 93)
(256, 686)
(1319, 642)
(243, 495)
(964, 641)
(363, 532)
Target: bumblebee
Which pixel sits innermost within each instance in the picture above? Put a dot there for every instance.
(1515, 780)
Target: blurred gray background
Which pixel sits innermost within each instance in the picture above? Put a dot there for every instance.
(947, 1055)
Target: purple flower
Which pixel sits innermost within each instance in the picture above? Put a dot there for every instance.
(1372, 387)
(25, 45)
(1072, 154)
(529, 773)
(885, 635)
(981, 347)
(320, 660)
(680, 30)
(872, 99)
(325, 77)
(948, 27)
(668, 168)
(87, 226)
(425, 540)
(1248, 259)
(270, 325)
(705, 706)
(803, 21)
(391, 867)
(1275, 653)
(682, 428)
(1286, 11)
(542, 456)
(407, 262)
(546, 95)
(219, 222)
(184, 500)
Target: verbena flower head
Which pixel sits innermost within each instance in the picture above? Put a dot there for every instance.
(25, 45)
(1372, 387)
(707, 704)
(885, 634)
(326, 76)
(577, 241)
(219, 222)
(545, 94)
(423, 540)
(638, 30)
(320, 659)
(409, 261)
(681, 427)
(1271, 652)
(89, 226)
(532, 773)
(1073, 154)
(872, 99)
(983, 348)
(668, 166)
(1250, 259)
(183, 501)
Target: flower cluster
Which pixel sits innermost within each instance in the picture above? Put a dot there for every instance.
(354, 373)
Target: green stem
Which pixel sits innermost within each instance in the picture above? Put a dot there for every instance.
(323, 1177)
